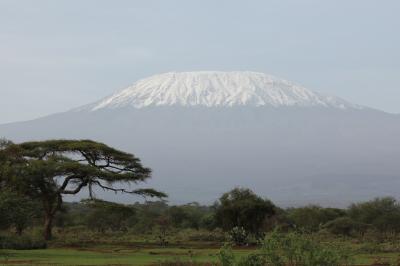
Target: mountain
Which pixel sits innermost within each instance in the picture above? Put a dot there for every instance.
(204, 133)
(216, 89)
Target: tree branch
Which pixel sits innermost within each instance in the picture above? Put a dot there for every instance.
(140, 192)
(76, 190)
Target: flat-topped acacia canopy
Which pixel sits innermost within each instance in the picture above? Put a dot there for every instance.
(54, 168)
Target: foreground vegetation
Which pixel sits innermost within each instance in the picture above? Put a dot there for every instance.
(146, 255)
(239, 229)
(154, 233)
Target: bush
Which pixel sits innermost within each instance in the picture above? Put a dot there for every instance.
(253, 260)
(296, 249)
(241, 207)
(238, 236)
(108, 215)
(371, 247)
(22, 243)
(17, 211)
(343, 226)
(226, 256)
(383, 214)
(310, 218)
(288, 249)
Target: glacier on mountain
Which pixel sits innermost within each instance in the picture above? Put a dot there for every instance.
(217, 89)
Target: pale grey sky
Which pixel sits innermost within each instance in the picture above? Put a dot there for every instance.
(56, 55)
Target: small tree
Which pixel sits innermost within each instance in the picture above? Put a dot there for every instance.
(345, 226)
(48, 170)
(17, 211)
(311, 218)
(163, 224)
(381, 213)
(242, 208)
(108, 215)
(187, 216)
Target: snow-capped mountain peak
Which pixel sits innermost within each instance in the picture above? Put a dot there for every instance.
(216, 89)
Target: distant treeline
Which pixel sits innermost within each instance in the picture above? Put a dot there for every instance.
(35, 177)
(239, 209)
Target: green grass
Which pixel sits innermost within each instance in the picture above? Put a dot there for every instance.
(123, 256)
(106, 256)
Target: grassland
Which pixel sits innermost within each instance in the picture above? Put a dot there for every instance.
(115, 255)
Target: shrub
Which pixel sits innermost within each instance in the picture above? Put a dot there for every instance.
(241, 207)
(310, 218)
(383, 214)
(108, 215)
(253, 260)
(226, 256)
(238, 236)
(342, 226)
(22, 243)
(17, 211)
(296, 249)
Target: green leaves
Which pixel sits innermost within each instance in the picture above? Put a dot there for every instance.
(47, 170)
(16, 210)
(243, 208)
(312, 218)
(149, 192)
(282, 249)
(66, 166)
(382, 214)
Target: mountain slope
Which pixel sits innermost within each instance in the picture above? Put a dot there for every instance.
(293, 154)
(213, 89)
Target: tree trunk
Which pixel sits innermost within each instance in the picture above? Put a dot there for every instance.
(19, 230)
(48, 226)
(51, 204)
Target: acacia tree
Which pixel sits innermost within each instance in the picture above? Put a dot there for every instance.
(48, 170)
(9, 155)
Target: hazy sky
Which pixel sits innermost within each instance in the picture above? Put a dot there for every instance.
(56, 55)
